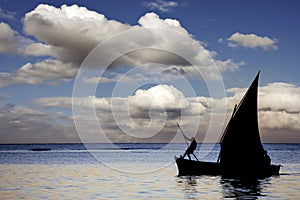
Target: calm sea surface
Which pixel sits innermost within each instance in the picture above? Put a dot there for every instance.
(133, 171)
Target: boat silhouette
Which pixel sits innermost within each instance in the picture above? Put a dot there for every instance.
(241, 153)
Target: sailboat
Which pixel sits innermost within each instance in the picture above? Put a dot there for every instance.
(241, 153)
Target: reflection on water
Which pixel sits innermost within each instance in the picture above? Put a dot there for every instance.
(200, 187)
(210, 187)
(243, 189)
(189, 186)
(100, 182)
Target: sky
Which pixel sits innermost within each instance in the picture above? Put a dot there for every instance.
(128, 71)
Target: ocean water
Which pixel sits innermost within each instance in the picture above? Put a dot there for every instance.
(133, 171)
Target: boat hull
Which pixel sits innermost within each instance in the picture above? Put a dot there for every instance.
(192, 167)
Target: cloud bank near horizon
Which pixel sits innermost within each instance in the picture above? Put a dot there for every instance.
(161, 105)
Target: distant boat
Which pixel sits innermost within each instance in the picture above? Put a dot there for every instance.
(242, 153)
(40, 149)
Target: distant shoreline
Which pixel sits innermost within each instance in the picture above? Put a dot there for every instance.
(117, 143)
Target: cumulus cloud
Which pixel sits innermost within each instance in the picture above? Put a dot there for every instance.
(161, 98)
(280, 96)
(11, 42)
(152, 110)
(45, 72)
(54, 26)
(161, 5)
(69, 33)
(152, 20)
(121, 117)
(277, 97)
(279, 110)
(279, 120)
(38, 49)
(252, 41)
(9, 39)
(89, 28)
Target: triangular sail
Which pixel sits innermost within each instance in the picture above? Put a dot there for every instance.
(240, 144)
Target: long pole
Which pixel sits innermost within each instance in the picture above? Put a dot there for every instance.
(183, 134)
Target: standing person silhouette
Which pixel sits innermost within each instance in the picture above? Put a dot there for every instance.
(190, 150)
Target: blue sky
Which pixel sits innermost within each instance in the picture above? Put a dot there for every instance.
(44, 43)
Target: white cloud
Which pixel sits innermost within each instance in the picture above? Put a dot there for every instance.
(160, 98)
(45, 72)
(69, 33)
(280, 112)
(9, 39)
(48, 69)
(38, 49)
(156, 108)
(280, 120)
(11, 42)
(167, 103)
(54, 26)
(280, 96)
(161, 5)
(252, 41)
(279, 108)
(7, 14)
(152, 20)
(220, 40)
(66, 102)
